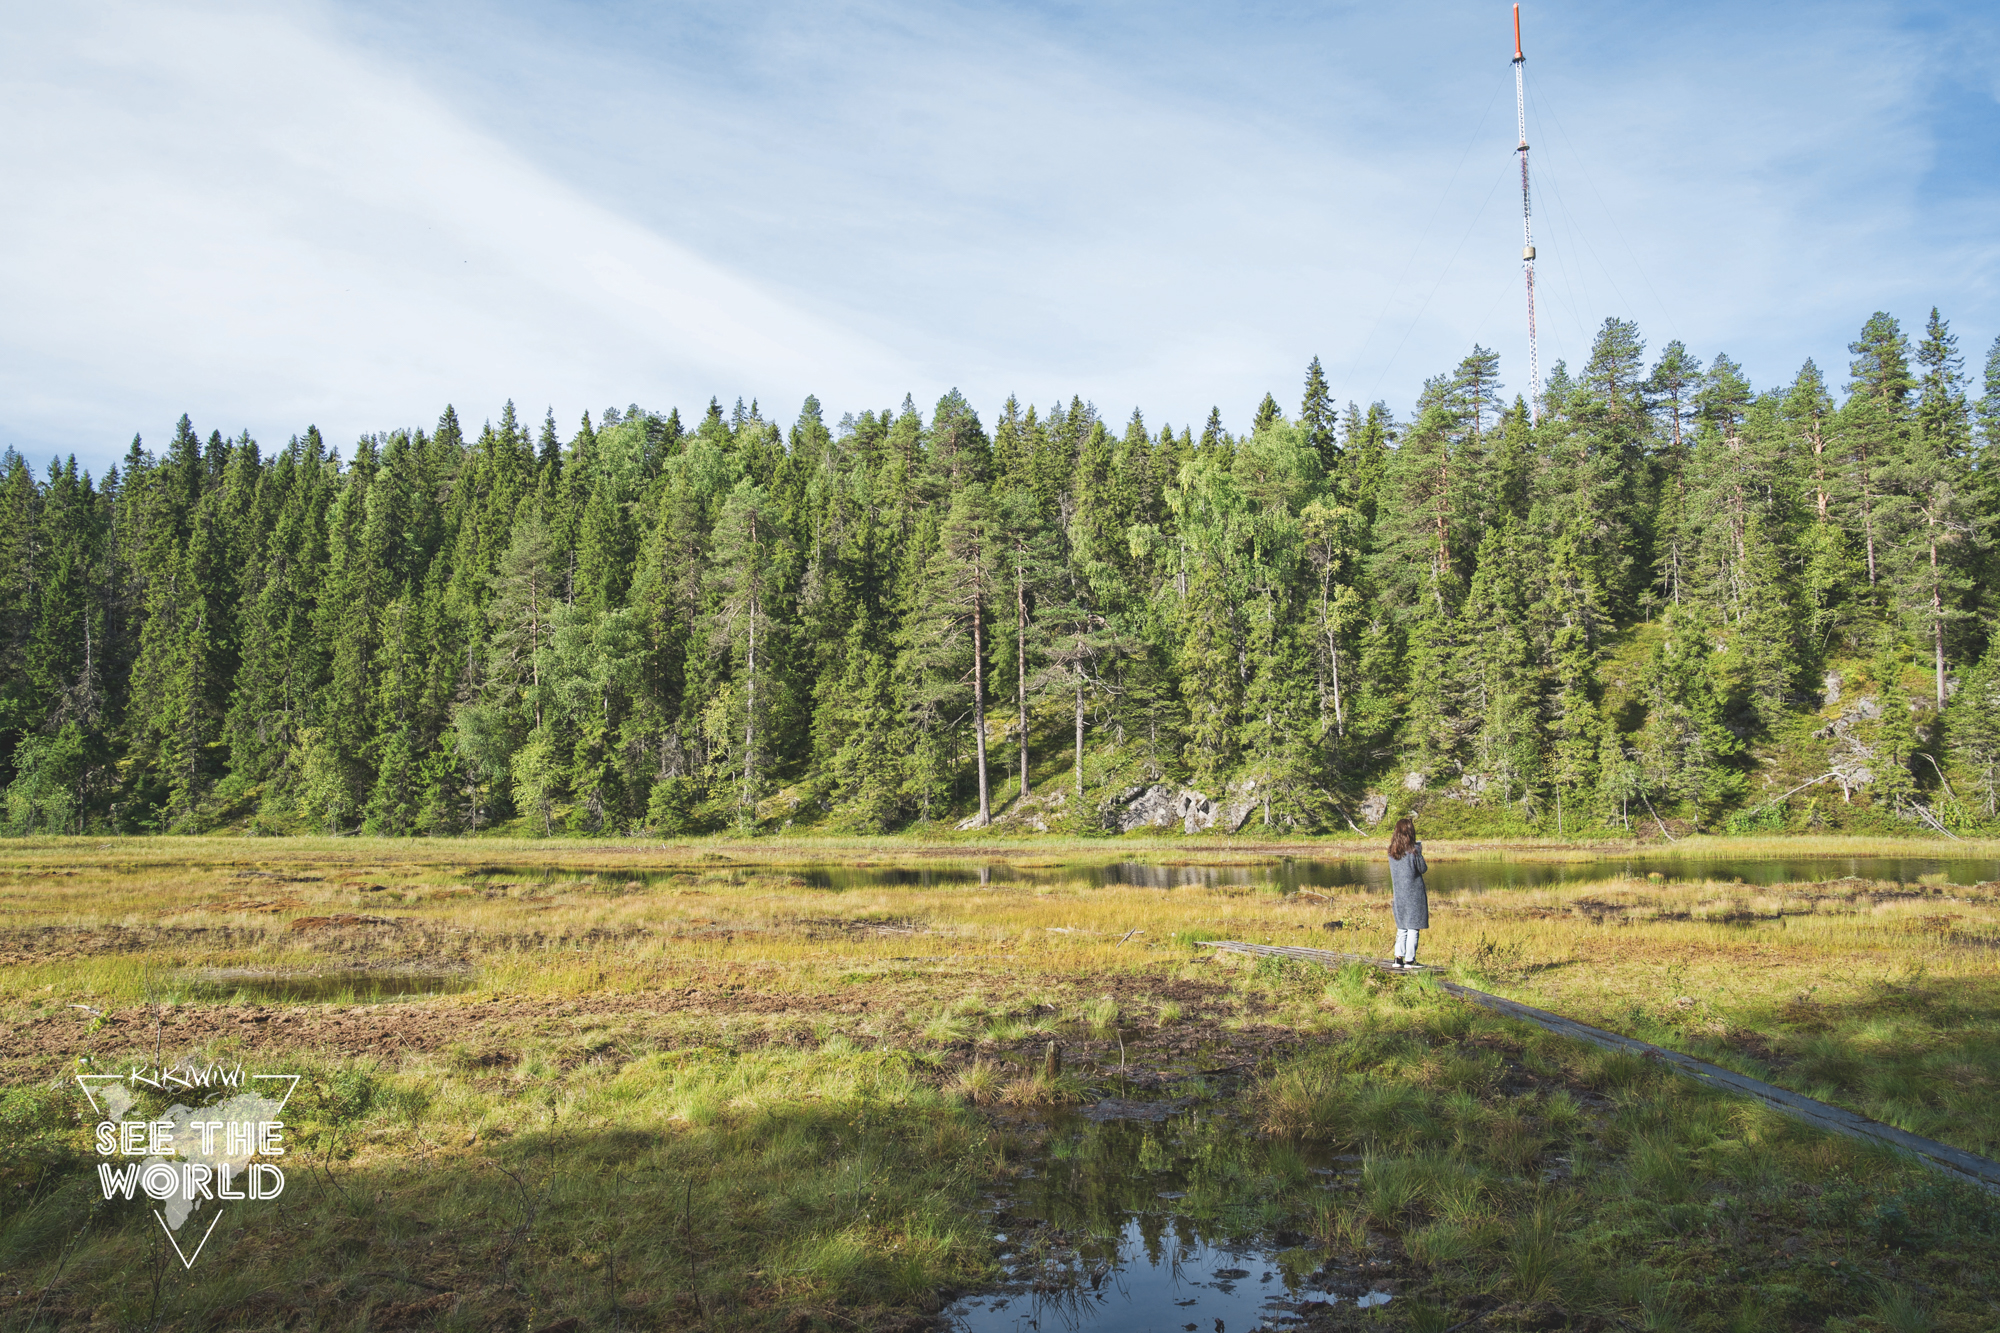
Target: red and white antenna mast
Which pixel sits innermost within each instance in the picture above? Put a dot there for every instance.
(1527, 222)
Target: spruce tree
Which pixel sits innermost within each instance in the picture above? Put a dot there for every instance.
(1212, 434)
(1317, 420)
(1474, 396)
(1268, 414)
(1503, 686)
(1009, 443)
(748, 538)
(1419, 528)
(1973, 725)
(1930, 527)
(1686, 750)
(21, 705)
(1208, 512)
(1673, 386)
(1334, 537)
(1824, 558)
(445, 632)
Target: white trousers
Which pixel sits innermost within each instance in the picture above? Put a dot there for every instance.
(1406, 945)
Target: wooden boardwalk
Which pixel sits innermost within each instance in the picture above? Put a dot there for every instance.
(1954, 1162)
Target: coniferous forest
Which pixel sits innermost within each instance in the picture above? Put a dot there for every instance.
(1676, 601)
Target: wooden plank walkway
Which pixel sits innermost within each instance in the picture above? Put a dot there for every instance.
(1954, 1162)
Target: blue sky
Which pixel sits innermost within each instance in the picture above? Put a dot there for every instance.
(352, 213)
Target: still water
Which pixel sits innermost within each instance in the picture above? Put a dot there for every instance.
(1156, 1280)
(1449, 876)
(1290, 874)
(1139, 1216)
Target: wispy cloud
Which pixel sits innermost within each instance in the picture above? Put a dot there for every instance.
(242, 213)
(353, 214)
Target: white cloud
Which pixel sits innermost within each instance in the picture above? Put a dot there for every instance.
(353, 215)
(236, 212)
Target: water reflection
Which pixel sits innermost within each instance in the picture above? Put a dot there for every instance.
(1129, 1222)
(1290, 874)
(1152, 1282)
(1372, 874)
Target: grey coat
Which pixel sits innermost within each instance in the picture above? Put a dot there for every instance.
(1413, 900)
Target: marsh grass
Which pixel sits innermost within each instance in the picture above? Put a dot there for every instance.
(688, 1088)
(1560, 1198)
(786, 1180)
(1535, 1254)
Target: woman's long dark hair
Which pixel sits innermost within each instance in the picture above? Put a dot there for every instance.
(1403, 838)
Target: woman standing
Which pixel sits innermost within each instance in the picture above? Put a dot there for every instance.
(1413, 900)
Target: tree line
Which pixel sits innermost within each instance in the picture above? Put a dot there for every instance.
(1658, 595)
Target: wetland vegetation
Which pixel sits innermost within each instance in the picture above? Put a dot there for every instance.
(822, 1084)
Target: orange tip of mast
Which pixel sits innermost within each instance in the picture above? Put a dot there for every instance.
(1517, 32)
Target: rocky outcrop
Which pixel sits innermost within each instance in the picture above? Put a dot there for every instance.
(1143, 806)
(1848, 756)
(1239, 800)
(1374, 807)
(1161, 805)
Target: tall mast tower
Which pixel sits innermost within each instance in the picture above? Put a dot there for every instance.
(1527, 222)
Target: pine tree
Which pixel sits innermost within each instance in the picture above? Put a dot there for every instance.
(1873, 421)
(865, 767)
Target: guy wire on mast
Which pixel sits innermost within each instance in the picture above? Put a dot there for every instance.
(1527, 223)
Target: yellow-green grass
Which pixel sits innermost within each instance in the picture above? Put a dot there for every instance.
(716, 1094)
